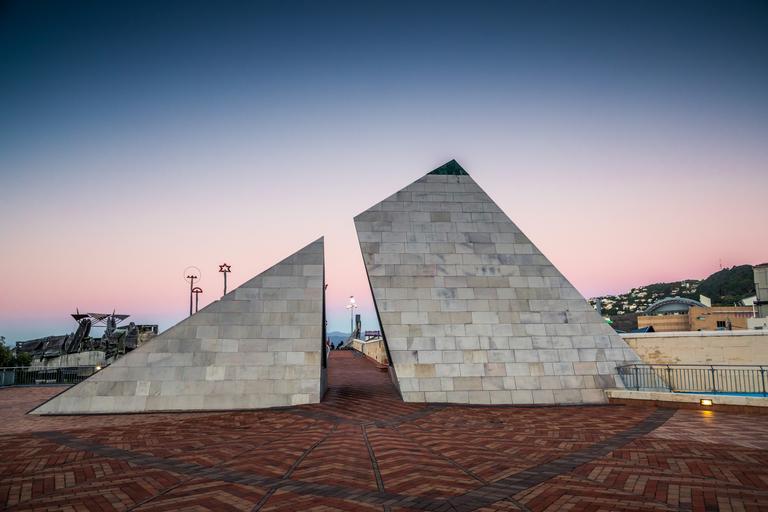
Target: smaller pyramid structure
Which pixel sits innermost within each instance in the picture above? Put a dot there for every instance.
(259, 346)
(470, 309)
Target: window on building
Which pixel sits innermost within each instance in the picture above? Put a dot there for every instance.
(721, 324)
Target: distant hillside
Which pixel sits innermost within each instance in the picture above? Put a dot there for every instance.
(725, 287)
(729, 285)
(637, 299)
(337, 336)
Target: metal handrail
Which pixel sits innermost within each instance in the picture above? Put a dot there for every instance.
(44, 376)
(693, 378)
(664, 365)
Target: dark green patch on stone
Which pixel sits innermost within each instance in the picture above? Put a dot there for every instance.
(452, 168)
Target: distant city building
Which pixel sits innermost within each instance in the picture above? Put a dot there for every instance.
(749, 301)
(669, 306)
(681, 314)
(760, 302)
(672, 306)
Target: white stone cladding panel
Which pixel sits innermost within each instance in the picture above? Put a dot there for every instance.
(472, 311)
(258, 346)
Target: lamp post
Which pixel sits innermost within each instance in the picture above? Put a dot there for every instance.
(190, 275)
(352, 306)
(191, 278)
(225, 269)
(197, 291)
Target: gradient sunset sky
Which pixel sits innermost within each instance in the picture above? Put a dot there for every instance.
(628, 140)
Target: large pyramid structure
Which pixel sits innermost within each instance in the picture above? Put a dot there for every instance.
(261, 345)
(471, 311)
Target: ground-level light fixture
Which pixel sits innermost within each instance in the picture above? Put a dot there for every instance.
(706, 402)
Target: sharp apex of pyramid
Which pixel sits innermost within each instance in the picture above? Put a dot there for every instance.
(451, 168)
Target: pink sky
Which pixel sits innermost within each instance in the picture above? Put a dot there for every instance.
(605, 218)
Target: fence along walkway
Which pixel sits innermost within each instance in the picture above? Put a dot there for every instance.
(44, 376)
(684, 378)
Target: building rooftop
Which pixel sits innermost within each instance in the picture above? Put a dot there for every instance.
(670, 305)
(362, 448)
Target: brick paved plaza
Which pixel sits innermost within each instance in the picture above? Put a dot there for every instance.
(364, 449)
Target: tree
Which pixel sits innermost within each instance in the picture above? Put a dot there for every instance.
(22, 359)
(7, 358)
(5, 355)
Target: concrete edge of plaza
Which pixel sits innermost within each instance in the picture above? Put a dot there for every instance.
(442, 236)
(698, 401)
(260, 346)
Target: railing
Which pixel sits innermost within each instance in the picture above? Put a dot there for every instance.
(685, 378)
(42, 376)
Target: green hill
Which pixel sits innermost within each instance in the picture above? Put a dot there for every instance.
(729, 285)
(725, 287)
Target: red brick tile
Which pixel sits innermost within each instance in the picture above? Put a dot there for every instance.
(364, 449)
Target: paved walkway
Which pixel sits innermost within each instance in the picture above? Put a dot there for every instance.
(364, 449)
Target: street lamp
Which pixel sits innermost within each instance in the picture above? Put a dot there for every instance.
(225, 269)
(191, 278)
(197, 291)
(352, 306)
(190, 275)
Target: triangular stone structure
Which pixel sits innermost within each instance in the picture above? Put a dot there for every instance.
(470, 309)
(261, 345)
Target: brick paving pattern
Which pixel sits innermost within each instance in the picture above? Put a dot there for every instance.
(364, 449)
